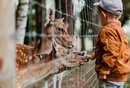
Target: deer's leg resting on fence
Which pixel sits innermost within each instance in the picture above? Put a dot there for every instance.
(54, 80)
(60, 76)
(46, 84)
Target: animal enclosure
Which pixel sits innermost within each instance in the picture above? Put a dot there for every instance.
(51, 40)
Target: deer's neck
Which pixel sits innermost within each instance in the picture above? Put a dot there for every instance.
(46, 45)
(38, 71)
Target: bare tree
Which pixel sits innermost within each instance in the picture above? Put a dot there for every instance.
(21, 20)
(39, 17)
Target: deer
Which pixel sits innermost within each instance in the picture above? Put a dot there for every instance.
(26, 54)
(59, 75)
(58, 58)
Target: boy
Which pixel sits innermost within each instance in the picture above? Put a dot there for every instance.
(112, 50)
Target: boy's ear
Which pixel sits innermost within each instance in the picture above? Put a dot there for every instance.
(118, 17)
(104, 14)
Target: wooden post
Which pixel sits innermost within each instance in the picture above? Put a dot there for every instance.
(7, 55)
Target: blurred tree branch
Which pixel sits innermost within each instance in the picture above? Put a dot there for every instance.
(126, 12)
(66, 6)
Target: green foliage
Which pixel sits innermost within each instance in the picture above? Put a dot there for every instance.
(126, 12)
(128, 34)
(127, 83)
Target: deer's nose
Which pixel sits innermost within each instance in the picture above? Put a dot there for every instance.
(72, 45)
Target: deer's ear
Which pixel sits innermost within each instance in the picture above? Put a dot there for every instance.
(51, 22)
(54, 45)
(51, 16)
(62, 19)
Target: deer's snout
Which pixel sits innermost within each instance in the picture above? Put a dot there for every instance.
(72, 45)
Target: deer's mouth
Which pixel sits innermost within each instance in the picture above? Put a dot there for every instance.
(63, 43)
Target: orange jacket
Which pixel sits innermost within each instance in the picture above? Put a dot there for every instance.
(112, 52)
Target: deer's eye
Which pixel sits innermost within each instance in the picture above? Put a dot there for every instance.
(68, 52)
(60, 29)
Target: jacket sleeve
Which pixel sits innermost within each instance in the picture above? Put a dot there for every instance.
(110, 42)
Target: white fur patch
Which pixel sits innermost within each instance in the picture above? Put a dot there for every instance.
(30, 57)
(26, 60)
(24, 54)
(16, 69)
(16, 50)
(21, 53)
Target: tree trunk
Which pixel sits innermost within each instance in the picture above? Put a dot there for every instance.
(7, 58)
(40, 17)
(21, 20)
(66, 6)
(85, 15)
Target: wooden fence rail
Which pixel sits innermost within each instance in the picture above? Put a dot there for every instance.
(7, 56)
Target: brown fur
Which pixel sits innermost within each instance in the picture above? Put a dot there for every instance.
(1, 63)
(46, 67)
(25, 54)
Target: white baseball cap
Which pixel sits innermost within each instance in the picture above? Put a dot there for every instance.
(113, 6)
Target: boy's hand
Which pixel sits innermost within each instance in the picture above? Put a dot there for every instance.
(92, 56)
(101, 76)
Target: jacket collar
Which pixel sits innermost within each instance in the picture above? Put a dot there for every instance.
(118, 23)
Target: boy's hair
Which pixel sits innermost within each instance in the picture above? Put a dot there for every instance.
(101, 9)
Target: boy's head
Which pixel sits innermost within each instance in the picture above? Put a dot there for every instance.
(109, 10)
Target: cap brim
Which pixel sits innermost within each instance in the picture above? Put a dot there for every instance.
(96, 4)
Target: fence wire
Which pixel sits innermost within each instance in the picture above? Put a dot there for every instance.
(82, 24)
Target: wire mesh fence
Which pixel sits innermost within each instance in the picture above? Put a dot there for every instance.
(81, 20)
(63, 67)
